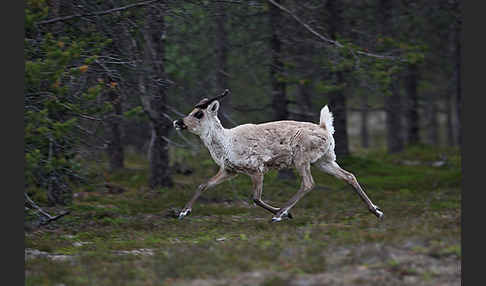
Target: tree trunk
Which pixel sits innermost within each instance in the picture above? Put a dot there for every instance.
(115, 146)
(365, 134)
(58, 192)
(394, 126)
(412, 117)
(159, 157)
(56, 195)
(154, 97)
(54, 12)
(279, 96)
(432, 120)
(337, 105)
(222, 68)
(459, 95)
(393, 102)
(304, 101)
(449, 97)
(449, 119)
(337, 99)
(457, 59)
(304, 87)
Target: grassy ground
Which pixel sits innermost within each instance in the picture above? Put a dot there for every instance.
(131, 238)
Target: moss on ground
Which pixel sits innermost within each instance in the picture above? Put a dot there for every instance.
(227, 235)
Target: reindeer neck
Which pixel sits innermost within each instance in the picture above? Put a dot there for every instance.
(215, 139)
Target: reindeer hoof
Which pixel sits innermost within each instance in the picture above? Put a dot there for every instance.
(378, 212)
(184, 213)
(284, 215)
(287, 215)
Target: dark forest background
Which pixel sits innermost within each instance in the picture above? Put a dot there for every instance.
(104, 79)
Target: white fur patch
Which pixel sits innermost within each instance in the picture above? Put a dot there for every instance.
(327, 119)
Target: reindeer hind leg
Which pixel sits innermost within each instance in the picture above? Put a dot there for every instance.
(334, 169)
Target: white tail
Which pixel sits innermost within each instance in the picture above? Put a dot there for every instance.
(326, 119)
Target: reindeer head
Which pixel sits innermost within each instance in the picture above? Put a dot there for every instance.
(203, 117)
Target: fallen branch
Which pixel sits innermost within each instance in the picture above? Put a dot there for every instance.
(44, 216)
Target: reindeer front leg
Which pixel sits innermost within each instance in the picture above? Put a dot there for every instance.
(257, 180)
(306, 186)
(220, 177)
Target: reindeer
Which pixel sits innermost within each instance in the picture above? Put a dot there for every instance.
(254, 149)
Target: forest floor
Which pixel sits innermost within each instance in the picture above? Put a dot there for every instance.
(127, 234)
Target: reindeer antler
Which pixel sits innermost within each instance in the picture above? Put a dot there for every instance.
(205, 101)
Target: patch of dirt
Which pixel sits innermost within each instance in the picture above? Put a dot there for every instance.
(34, 253)
(141, 251)
(372, 264)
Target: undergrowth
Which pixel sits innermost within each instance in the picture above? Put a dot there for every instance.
(226, 234)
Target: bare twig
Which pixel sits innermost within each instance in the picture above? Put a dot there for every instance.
(99, 13)
(327, 40)
(246, 108)
(309, 28)
(369, 108)
(174, 110)
(177, 144)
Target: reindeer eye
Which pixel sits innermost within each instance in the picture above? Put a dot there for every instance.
(199, 114)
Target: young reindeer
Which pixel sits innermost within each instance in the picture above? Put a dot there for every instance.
(254, 149)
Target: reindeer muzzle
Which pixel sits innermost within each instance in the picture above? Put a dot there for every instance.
(179, 124)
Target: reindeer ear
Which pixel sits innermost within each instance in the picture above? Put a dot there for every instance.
(213, 107)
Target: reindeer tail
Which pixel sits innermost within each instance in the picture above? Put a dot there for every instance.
(326, 120)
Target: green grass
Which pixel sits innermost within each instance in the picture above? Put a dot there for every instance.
(226, 235)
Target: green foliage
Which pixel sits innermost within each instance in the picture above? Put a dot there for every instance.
(134, 113)
(327, 87)
(226, 234)
(56, 69)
